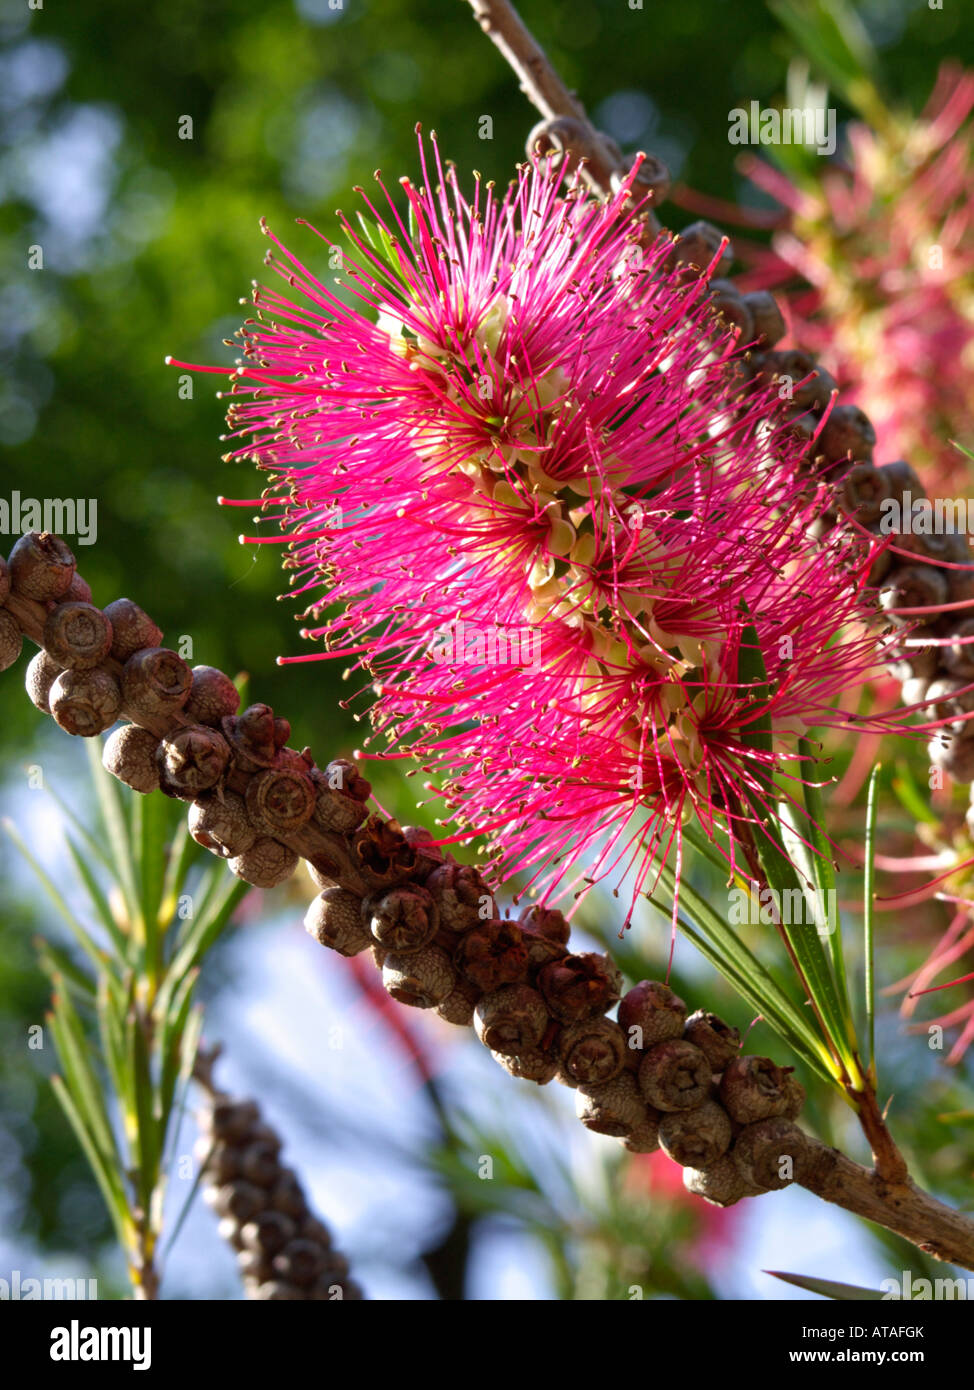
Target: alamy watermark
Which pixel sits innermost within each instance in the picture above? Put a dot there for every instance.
(760, 907)
(925, 516)
(17, 1287)
(464, 644)
(811, 126)
(64, 516)
(926, 1290)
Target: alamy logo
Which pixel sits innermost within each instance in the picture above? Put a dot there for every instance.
(812, 126)
(462, 644)
(63, 516)
(18, 1288)
(77, 1343)
(924, 516)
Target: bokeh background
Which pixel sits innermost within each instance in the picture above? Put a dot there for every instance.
(149, 241)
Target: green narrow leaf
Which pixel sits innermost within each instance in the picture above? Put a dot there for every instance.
(828, 1288)
(119, 838)
(73, 1051)
(868, 896)
(94, 954)
(54, 960)
(99, 901)
(823, 871)
(107, 1179)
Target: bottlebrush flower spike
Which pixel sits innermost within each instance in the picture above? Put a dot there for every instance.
(529, 465)
(884, 241)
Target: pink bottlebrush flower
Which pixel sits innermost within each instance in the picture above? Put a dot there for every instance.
(885, 245)
(543, 507)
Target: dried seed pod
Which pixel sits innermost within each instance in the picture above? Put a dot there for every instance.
(342, 792)
(429, 855)
(809, 386)
(191, 761)
(219, 822)
(212, 697)
(422, 979)
(229, 1120)
(913, 586)
(644, 1139)
(950, 698)
(380, 850)
(615, 1107)
(960, 584)
(561, 135)
(959, 656)
(462, 896)
(42, 672)
(4, 579)
(11, 640)
(132, 629)
(155, 681)
(541, 951)
(696, 1138)
(953, 753)
(458, 1006)
(280, 801)
(767, 318)
(241, 1201)
(593, 1052)
(674, 1075)
(769, 1154)
(902, 480)
(78, 591)
(721, 1184)
(220, 1162)
(334, 919)
(77, 635)
(950, 547)
(580, 986)
(492, 954)
(41, 566)
(85, 703)
(548, 922)
(268, 1232)
(130, 755)
(754, 1088)
(717, 1040)
(697, 246)
(402, 919)
(794, 1099)
(863, 491)
(252, 737)
(654, 1010)
(921, 663)
(265, 864)
(287, 1195)
(511, 1020)
(730, 306)
(652, 174)
(300, 1262)
(259, 1165)
(847, 434)
(536, 1065)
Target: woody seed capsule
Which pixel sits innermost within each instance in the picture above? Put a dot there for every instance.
(422, 979)
(191, 761)
(674, 1075)
(461, 895)
(4, 579)
(155, 681)
(614, 1107)
(132, 629)
(403, 919)
(696, 1138)
(334, 919)
(717, 1040)
(847, 434)
(85, 703)
(654, 1010)
(265, 864)
(580, 986)
(754, 1088)
(594, 1051)
(721, 1184)
(458, 1006)
(534, 1065)
(279, 801)
(548, 922)
(492, 954)
(130, 755)
(78, 635)
(212, 697)
(220, 824)
(11, 640)
(42, 672)
(511, 1020)
(767, 318)
(864, 489)
(41, 566)
(912, 586)
(644, 1139)
(769, 1154)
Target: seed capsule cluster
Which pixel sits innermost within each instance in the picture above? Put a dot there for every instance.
(686, 1088)
(283, 1250)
